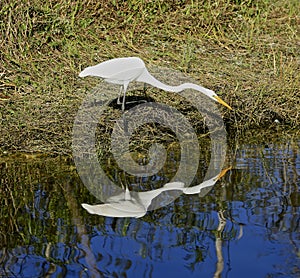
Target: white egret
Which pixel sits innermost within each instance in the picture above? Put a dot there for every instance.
(122, 71)
(125, 205)
(130, 204)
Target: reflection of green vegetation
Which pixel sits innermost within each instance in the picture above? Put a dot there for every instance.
(33, 206)
(247, 51)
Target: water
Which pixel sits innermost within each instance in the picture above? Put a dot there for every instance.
(246, 226)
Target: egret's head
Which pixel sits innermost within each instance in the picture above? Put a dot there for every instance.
(216, 98)
(212, 95)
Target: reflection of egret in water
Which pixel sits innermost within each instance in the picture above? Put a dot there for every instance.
(130, 204)
(122, 71)
(135, 204)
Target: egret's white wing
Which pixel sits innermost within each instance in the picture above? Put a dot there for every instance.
(113, 211)
(112, 67)
(120, 77)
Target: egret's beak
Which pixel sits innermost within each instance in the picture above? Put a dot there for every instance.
(223, 172)
(218, 99)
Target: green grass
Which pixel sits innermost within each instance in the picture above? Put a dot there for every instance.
(247, 51)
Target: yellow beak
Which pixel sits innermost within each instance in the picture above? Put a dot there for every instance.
(223, 172)
(218, 99)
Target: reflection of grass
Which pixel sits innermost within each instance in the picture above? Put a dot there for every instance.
(247, 51)
(33, 207)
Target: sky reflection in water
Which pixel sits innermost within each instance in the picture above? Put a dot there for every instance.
(246, 226)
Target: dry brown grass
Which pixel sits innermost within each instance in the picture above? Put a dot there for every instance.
(247, 51)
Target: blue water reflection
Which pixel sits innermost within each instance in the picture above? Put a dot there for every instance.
(246, 226)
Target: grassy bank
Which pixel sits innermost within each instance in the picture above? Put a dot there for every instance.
(247, 51)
